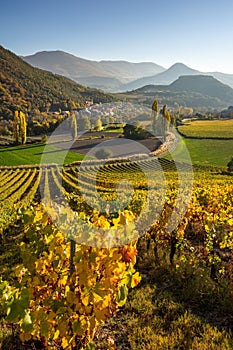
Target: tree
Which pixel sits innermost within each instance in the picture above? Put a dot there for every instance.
(20, 128)
(167, 118)
(230, 165)
(164, 110)
(71, 105)
(74, 127)
(84, 123)
(154, 115)
(99, 125)
(16, 127)
(155, 106)
(173, 120)
(136, 132)
(23, 128)
(103, 153)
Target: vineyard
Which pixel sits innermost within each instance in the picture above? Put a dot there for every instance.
(60, 302)
(215, 129)
(20, 185)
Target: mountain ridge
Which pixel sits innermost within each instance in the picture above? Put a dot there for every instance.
(28, 88)
(204, 84)
(191, 91)
(73, 67)
(116, 75)
(166, 78)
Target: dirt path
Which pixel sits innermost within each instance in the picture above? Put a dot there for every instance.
(119, 146)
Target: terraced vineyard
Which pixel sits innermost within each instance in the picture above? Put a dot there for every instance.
(189, 227)
(21, 186)
(95, 186)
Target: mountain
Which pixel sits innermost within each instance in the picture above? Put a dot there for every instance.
(102, 83)
(164, 78)
(205, 85)
(28, 88)
(223, 77)
(191, 91)
(114, 75)
(63, 63)
(173, 73)
(25, 87)
(90, 72)
(127, 71)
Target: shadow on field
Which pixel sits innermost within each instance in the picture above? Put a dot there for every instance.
(16, 148)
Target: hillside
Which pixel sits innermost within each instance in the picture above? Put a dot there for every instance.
(102, 83)
(25, 87)
(205, 85)
(190, 91)
(63, 63)
(115, 76)
(90, 73)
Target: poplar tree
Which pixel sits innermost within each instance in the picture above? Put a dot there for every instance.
(155, 106)
(23, 128)
(20, 128)
(16, 126)
(154, 115)
(74, 127)
(83, 123)
(99, 125)
(167, 118)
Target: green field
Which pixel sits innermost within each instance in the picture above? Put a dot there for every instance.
(208, 128)
(21, 155)
(206, 152)
(202, 152)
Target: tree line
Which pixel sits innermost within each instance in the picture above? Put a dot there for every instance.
(160, 123)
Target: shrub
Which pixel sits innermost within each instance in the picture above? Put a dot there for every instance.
(103, 153)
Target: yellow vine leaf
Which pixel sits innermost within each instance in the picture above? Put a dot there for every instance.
(56, 335)
(64, 343)
(136, 278)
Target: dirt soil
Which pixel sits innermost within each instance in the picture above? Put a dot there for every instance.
(118, 145)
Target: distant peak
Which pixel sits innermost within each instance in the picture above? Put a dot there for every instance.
(45, 52)
(54, 51)
(179, 65)
(181, 69)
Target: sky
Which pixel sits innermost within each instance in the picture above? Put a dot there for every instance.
(197, 33)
